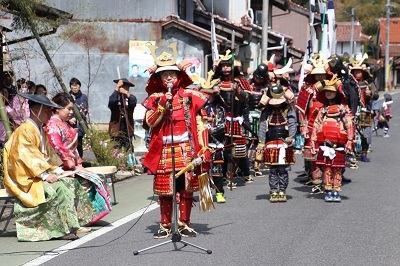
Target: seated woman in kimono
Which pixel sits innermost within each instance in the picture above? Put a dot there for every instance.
(48, 204)
(64, 139)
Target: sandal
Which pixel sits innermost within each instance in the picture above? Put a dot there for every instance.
(353, 166)
(70, 236)
(83, 230)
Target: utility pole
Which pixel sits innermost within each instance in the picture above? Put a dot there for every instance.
(352, 33)
(264, 42)
(387, 67)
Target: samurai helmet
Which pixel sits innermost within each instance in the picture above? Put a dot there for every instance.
(166, 61)
(270, 63)
(276, 92)
(227, 58)
(357, 63)
(319, 64)
(332, 84)
(261, 71)
(336, 64)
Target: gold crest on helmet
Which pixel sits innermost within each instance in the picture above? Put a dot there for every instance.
(332, 84)
(165, 58)
(227, 56)
(319, 64)
(358, 64)
(208, 85)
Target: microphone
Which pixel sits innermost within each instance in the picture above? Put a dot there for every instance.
(170, 86)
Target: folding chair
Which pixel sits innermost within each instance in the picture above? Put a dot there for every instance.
(8, 203)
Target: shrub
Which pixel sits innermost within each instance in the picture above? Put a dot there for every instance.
(105, 150)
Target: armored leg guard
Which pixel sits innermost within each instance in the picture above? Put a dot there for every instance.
(328, 178)
(315, 176)
(185, 206)
(166, 210)
(337, 178)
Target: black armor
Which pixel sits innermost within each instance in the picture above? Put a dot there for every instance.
(277, 132)
(254, 99)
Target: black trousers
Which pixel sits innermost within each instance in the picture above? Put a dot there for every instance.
(278, 178)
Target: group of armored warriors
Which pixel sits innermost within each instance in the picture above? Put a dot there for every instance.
(231, 127)
(254, 122)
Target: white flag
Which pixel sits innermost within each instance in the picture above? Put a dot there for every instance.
(313, 35)
(331, 27)
(214, 45)
(312, 45)
(324, 44)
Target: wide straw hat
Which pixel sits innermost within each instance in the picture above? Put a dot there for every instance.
(42, 99)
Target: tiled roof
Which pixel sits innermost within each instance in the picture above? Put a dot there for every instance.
(304, 11)
(394, 49)
(343, 32)
(249, 28)
(394, 36)
(394, 30)
(175, 21)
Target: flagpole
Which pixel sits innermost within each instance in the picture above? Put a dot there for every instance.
(264, 33)
(310, 42)
(323, 44)
(214, 45)
(331, 28)
(387, 65)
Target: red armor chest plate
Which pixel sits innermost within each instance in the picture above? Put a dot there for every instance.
(331, 130)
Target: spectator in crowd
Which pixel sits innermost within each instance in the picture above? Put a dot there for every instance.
(8, 80)
(81, 101)
(40, 89)
(122, 104)
(31, 86)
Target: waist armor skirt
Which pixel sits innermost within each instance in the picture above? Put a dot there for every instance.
(237, 129)
(338, 161)
(365, 119)
(277, 153)
(163, 179)
(240, 149)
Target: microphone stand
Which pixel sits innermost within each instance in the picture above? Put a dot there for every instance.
(175, 236)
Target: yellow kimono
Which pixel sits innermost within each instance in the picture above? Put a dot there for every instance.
(25, 158)
(43, 210)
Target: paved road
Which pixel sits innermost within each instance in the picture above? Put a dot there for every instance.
(248, 230)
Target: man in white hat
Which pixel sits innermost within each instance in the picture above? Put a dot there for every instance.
(179, 137)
